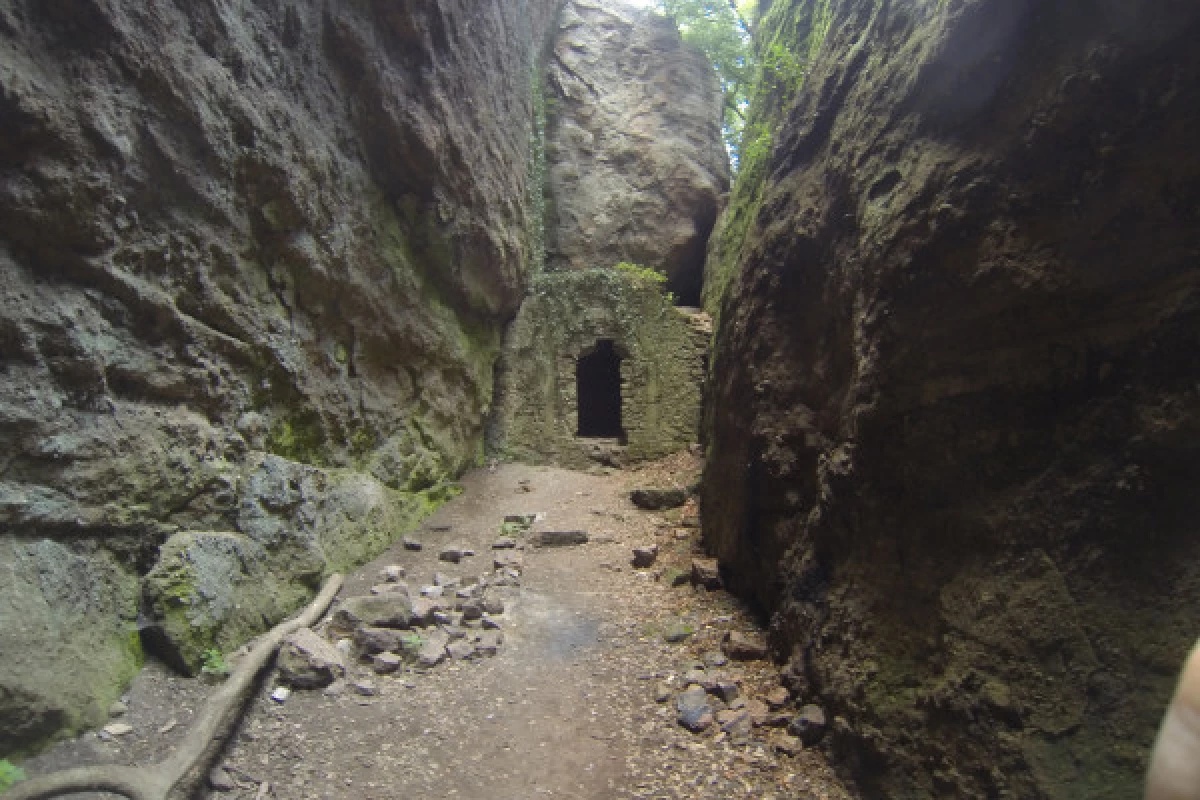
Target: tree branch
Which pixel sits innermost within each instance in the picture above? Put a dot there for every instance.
(200, 743)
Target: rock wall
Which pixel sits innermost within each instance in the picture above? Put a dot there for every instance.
(664, 356)
(255, 260)
(637, 165)
(955, 428)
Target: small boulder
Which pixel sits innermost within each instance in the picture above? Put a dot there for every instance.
(744, 647)
(809, 725)
(658, 499)
(778, 697)
(386, 663)
(693, 709)
(309, 661)
(371, 641)
(645, 556)
(388, 610)
(461, 649)
(706, 573)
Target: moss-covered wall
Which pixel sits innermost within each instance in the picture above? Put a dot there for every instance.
(663, 349)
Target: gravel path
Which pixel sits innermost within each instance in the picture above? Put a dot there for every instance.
(569, 707)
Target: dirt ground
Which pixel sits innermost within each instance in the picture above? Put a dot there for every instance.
(569, 707)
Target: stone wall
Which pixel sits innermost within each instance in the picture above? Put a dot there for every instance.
(255, 258)
(637, 165)
(664, 357)
(955, 430)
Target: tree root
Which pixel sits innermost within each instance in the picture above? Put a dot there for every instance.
(199, 744)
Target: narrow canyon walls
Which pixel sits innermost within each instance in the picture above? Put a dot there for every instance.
(255, 258)
(955, 422)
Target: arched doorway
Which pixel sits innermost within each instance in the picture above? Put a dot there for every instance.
(598, 389)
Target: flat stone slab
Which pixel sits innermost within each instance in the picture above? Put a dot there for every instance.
(560, 538)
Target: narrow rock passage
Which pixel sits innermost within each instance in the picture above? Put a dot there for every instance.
(569, 706)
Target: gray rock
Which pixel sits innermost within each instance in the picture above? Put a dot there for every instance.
(455, 554)
(371, 641)
(706, 573)
(507, 562)
(489, 643)
(432, 591)
(411, 544)
(388, 610)
(489, 624)
(461, 649)
(809, 725)
(433, 650)
(363, 687)
(445, 581)
(744, 646)
(693, 710)
(391, 573)
(306, 660)
(386, 663)
(117, 709)
(472, 609)
(678, 631)
(658, 499)
(504, 543)
(645, 556)
(493, 605)
(425, 610)
(715, 658)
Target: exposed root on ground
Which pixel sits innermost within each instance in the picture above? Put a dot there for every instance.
(202, 741)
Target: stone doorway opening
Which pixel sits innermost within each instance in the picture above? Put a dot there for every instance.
(598, 389)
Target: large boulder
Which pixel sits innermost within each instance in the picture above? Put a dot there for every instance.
(636, 161)
(955, 430)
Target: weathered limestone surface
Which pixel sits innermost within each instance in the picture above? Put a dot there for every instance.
(637, 165)
(246, 248)
(955, 429)
(664, 353)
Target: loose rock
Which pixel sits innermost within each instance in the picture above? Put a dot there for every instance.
(645, 556)
(309, 661)
(411, 543)
(658, 499)
(693, 709)
(560, 538)
(744, 647)
(706, 573)
(809, 725)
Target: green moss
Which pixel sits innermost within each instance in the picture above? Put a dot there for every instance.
(298, 436)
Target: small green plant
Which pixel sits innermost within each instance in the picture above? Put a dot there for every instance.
(641, 276)
(10, 775)
(214, 664)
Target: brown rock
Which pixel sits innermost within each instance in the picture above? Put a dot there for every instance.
(706, 572)
(645, 556)
(744, 646)
(777, 698)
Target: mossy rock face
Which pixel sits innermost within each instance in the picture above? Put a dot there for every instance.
(70, 645)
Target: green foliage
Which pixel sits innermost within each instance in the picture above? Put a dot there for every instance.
(10, 775)
(781, 70)
(720, 30)
(639, 275)
(214, 664)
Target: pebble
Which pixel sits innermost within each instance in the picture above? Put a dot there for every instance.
(118, 729)
(281, 694)
(219, 780)
(677, 632)
(117, 709)
(411, 544)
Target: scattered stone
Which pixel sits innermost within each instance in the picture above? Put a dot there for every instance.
(758, 711)
(509, 561)
(778, 697)
(388, 610)
(662, 692)
(454, 554)
(335, 689)
(744, 647)
(118, 729)
(725, 689)
(715, 658)
(424, 609)
(411, 544)
(391, 573)
(658, 499)
(281, 694)
(489, 643)
(504, 543)
(117, 709)
(364, 687)
(445, 581)
(461, 649)
(706, 573)
(489, 624)
(442, 617)
(219, 780)
(524, 520)
(809, 725)
(778, 719)
(472, 609)
(789, 745)
(432, 591)
(493, 605)
(678, 631)
(454, 632)
(645, 556)
(307, 660)
(560, 538)
(693, 709)
(698, 677)
(386, 663)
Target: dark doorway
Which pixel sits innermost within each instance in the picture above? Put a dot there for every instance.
(598, 386)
